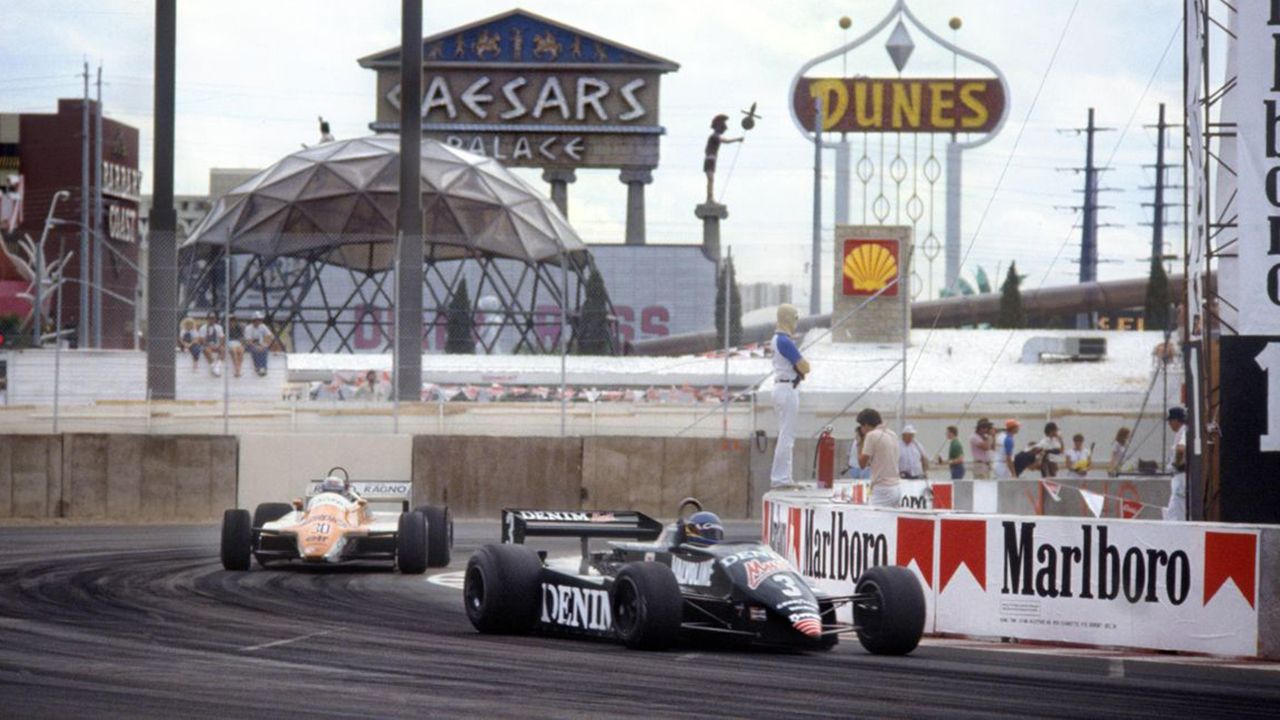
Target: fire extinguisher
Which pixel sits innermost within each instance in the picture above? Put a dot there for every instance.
(826, 460)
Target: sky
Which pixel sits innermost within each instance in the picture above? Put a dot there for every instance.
(253, 76)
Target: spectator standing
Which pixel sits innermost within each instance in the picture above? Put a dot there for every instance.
(981, 446)
(1078, 457)
(912, 464)
(1028, 459)
(880, 453)
(215, 343)
(235, 343)
(954, 458)
(855, 472)
(191, 341)
(1117, 451)
(1051, 447)
(259, 337)
(1005, 450)
(1177, 509)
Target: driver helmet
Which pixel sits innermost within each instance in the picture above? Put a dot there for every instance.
(703, 528)
(333, 484)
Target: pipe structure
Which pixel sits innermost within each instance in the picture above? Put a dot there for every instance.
(950, 312)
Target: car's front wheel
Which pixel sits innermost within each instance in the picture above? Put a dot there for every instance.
(411, 543)
(237, 539)
(889, 611)
(647, 606)
(501, 589)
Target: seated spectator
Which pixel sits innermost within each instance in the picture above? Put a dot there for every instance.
(259, 337)
(235, 342)
(214, 339)
(370, 389)
(191, 341)
(1079, 458)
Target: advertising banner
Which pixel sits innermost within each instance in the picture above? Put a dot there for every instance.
(1257, 169)
(1193, 587)
(1168, 586)
(832, 545)
(916, 494)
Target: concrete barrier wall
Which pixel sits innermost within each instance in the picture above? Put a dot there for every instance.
(478, 476)
(653, 475)
(117, 477)
(30, 476)
(276, 468)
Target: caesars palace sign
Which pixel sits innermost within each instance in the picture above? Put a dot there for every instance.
(532, 93)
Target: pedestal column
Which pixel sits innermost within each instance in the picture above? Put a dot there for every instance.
(635, 179)
(711, 214)
(559, 178)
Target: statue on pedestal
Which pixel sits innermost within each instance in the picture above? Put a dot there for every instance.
(719, 125)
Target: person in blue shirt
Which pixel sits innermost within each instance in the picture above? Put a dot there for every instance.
(789, 368)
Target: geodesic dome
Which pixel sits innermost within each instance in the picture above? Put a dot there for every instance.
(310, 241)
(344, 195)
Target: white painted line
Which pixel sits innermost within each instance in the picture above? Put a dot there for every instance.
(1116, 669)
(252, 648)
(453, 580)
(688, 656)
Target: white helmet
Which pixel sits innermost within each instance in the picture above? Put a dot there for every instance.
(333, 483)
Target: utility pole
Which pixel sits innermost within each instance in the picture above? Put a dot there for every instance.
(97, 217)
(162, 253)
(815, 260)
(408, 356)
(1158, 204)
(83, 335)
(1089, 211)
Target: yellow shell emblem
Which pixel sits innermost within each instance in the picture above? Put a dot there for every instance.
(870, 267)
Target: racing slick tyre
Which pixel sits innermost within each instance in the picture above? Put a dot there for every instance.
(237, 539)
(501, 590)
(411, 543)
(269, 512)
(890, 615)
(647, 606)
(439, 534)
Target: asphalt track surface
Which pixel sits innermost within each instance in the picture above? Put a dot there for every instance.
(143, 622)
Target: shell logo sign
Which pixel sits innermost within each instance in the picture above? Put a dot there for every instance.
(870, 265)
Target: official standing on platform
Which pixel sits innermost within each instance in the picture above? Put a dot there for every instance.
(789, 368)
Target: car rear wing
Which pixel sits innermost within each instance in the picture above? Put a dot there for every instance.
(586, 524)
(375, 490)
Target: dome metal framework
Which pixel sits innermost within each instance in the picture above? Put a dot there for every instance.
(312, 244)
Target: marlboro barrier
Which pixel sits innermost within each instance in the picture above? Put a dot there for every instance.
(1196, 587)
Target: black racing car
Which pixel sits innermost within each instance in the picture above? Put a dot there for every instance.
(652, 590)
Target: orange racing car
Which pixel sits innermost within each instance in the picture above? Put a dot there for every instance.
(336, 524)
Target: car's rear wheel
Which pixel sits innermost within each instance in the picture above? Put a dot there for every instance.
(439, 534)
(647, 606)
(237, 539)
(411, 543)
(501, 589)
(889, 612)
(269, 512)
